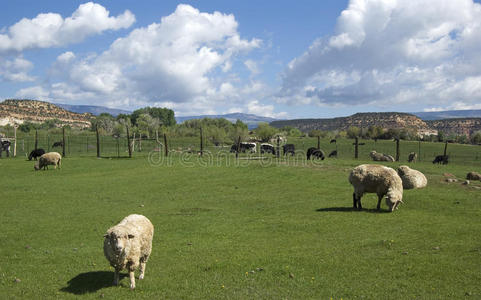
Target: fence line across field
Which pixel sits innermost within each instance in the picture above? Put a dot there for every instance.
(86, 145)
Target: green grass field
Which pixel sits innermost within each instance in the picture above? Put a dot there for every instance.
(255, 229)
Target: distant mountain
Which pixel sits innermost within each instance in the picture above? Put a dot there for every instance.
(448, 114)
(384, 120)
(251, 120)
(93, 109)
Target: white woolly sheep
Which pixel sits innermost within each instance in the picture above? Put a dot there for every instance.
(412, 179)
(380, 156)
(128, 245)
(50, 158)
(377, 179)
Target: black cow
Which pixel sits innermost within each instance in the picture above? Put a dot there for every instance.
(244, 147)
(268, 148)
(288, 148)
(36, 153)
(315, 152)
(441, 159)
(57, 144)
(333, 153)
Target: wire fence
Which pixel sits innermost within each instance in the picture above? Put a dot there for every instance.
(111, 146)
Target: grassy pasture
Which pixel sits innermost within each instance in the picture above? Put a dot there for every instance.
(257, 230)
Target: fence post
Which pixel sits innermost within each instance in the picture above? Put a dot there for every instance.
(278, 147)
(36, 139)
(238, 148)
(15, 141)
(201, 142)
(318, 142)
(98, 140)
(129, 145)
(87, 144)
(445, 148)
(397, 149)
(166, 147)
(63, 141)
(356, 148)
(419, 150)
(118, 146)
(48, 142)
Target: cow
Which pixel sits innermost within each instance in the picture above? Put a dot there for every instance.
(441, 159)
(315, 152)
(267, 148)
(244, 147)
(333, 153)
(288, 148)
(36, 153)
(57, 144)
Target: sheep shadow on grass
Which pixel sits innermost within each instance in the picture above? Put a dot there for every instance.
(90, 282)
(351, 209)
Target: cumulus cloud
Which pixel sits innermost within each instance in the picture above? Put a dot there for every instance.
(51, 30)
(388, 52)
(183, 61)
(15, 70)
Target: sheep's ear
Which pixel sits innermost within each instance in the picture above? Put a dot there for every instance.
(131, 236)
(106, 235)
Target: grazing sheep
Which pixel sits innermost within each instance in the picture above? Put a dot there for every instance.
(412, 179)
(314, 152)
(377, 179)
(441, 159)
(473, 176)
(57, 144)
(413, 156)
(50, 158)
(333, 153)
(380, 156)
(128, 245)
(36, 153)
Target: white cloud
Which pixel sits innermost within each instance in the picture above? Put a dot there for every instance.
(16, 70)
(51, 30)
(252, 66)
(184, 61)
(256, 108)
(387, 52)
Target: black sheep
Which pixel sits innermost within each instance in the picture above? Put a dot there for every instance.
(36, 153)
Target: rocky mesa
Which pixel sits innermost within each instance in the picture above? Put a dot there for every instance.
(18, 111)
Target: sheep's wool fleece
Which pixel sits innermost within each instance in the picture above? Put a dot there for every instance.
(375, 179)
(412, 179)
(473, 176)
(50, 158)
(139, 246)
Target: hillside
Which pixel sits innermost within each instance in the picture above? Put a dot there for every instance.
(93, 109)
(463, 126)
(19, 111)
(385, 120)
(251, 120)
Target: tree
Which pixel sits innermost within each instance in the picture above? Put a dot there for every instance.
(353, 132)
(265, 132)
(476, 138)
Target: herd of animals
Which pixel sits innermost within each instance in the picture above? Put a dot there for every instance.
(128, 244)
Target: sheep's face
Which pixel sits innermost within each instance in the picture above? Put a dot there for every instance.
(393, 199)
(36, 167)
(119, 242)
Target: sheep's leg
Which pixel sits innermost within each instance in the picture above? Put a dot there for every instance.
(379, 198)
(354, 201)
(132, 278)
(116, 277)
(142, 269)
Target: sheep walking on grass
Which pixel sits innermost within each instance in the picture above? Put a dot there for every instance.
(412, 157)
(377, 179)
(50, 158)
(128, 245)
(412, 179)
(380, 156)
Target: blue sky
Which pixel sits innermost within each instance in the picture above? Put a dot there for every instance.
(312, 59)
